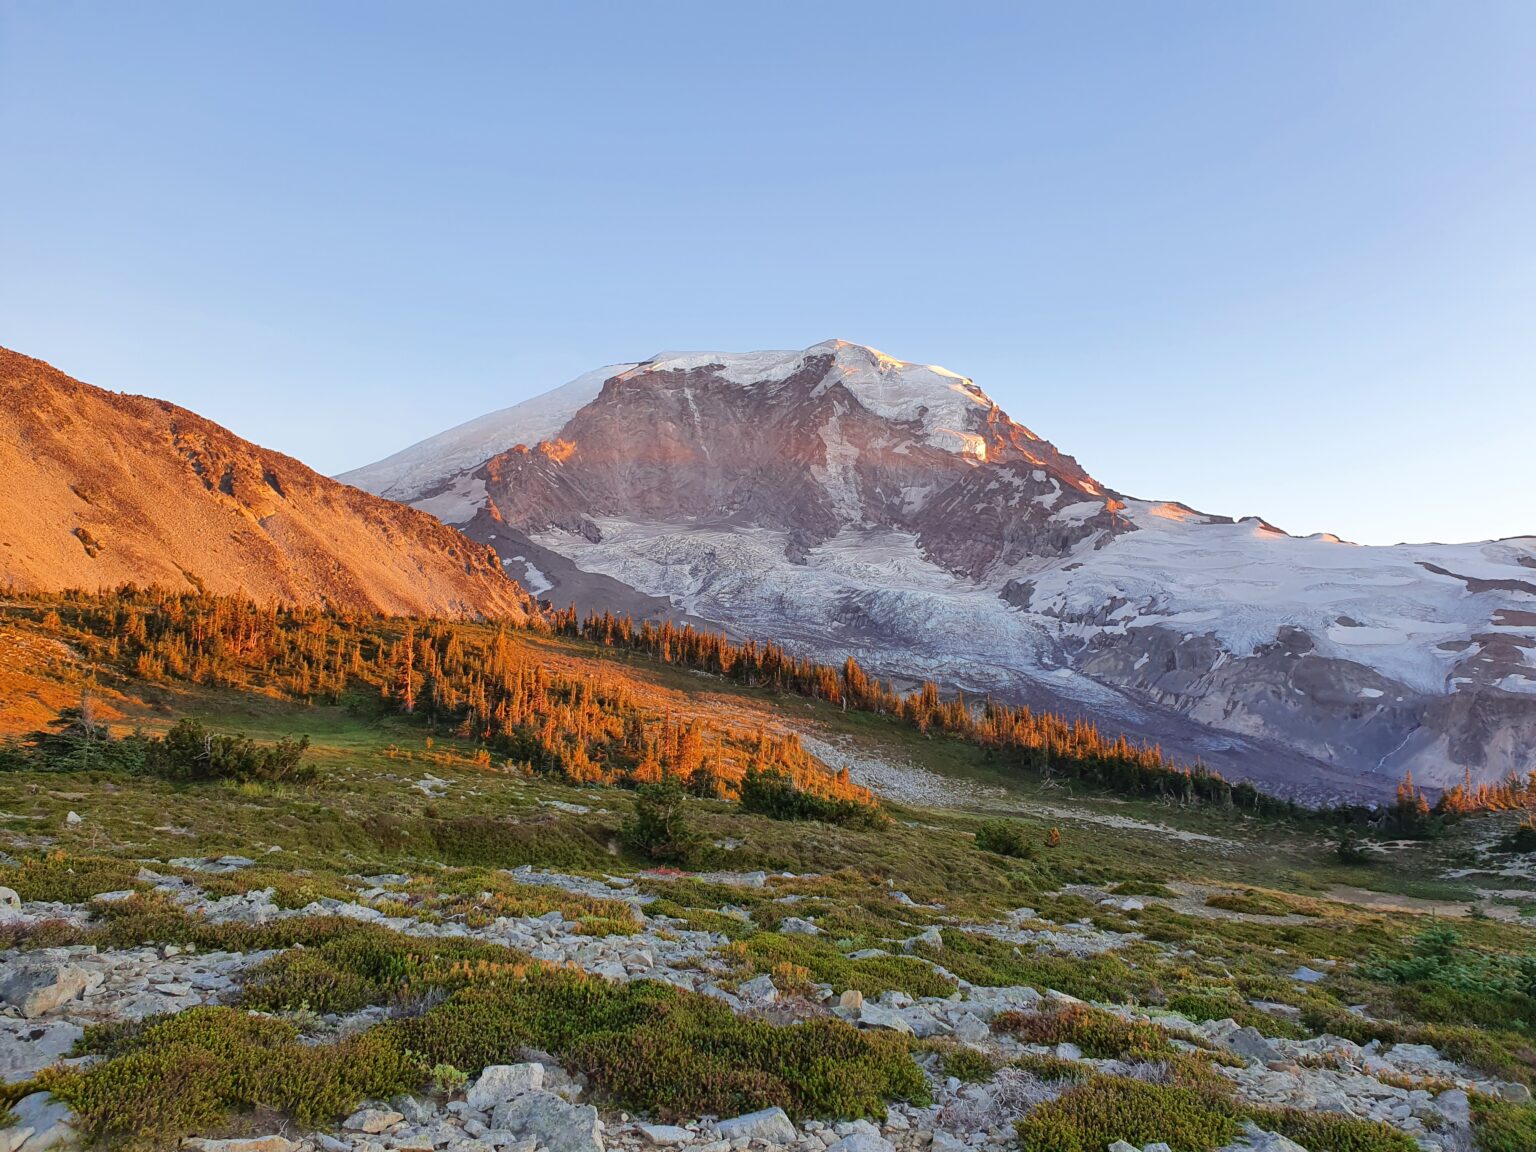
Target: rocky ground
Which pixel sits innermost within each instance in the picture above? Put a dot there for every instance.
(50, 995)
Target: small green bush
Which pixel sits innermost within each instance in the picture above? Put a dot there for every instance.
(775, 795)
(1503, 1127)
(190, 752)
(655, 1048)
(367, 965)
(967, 1064)
(1101, 1035)
(1005, 838)
(1249, 903)
(1334, 1131)
(1054, 1067)
(165, 1077)
(828, 965)
(68, 879)
(658, 828)
(1103, 1109)
(1522, 839)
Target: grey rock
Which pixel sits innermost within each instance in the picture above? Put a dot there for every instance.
(665, 1135)
(27, 1047)
(9, 900)
(862, 1142)
(874, 1016)
(371, 1120)
(795, 926)
(557, 1124)
(930, 937)
(42, 987)
(51, 1123)
(1308, 975)
(1250, 1042)
(771, 1125)
(242, 1144)
(759, 988)
(502, 1082)
(851, 999)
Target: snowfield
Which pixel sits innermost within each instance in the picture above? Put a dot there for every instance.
(996, 564)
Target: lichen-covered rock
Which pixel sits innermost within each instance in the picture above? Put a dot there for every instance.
(499, 1083)
(771, 1125)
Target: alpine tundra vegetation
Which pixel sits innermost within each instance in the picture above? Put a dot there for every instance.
(283, 878)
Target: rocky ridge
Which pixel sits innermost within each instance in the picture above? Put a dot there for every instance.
(104, 489)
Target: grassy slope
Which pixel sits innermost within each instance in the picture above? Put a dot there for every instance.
(363, 816)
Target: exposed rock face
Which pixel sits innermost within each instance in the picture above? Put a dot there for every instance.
(103, 489)
(803, 455)
(846, 502)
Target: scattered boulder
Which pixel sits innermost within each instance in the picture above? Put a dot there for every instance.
(930, 936)
(794, 925)
(39, 988)
(502, 1082)
(48, 1123)
(556, 1124)
(1249, 1043)
(852, 1000)
(665, 1135)
(9, 901)
(759, 988)
(874, 1016)
(242, 1144)
(862, 1142)
(771, 1125)
(372, 1121)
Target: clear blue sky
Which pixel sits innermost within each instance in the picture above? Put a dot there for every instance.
(1273, 258)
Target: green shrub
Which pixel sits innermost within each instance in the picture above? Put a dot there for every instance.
(655, 1048)
(967, 1064)
(68, 879)
(995, 963)
(366, 965)
(1445, 980)
(1005, 838)
(1334, 1131)
(775, 795)
(190, 752)
(658, 828)
(1249, 903)
(1522, 838)
(1103, 1109)
(1143, 888)
(1503, 1127)
(1054, 1067)
(1350, 851)
(165, 1077)
(1101, 1035)
(496, 842)
(828, 965)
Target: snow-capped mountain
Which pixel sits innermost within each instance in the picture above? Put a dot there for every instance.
(844, 501)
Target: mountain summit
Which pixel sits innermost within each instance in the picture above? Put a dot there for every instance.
(845, 501)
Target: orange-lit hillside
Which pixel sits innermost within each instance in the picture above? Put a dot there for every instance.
(492, 684)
